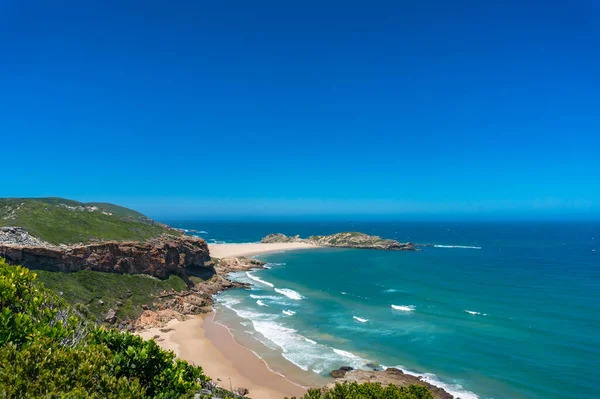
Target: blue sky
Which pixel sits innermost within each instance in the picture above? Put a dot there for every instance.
(210, 109)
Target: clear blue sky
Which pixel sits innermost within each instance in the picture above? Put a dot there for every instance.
(211, 108)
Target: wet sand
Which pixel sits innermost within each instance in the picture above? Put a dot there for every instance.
(207, 344)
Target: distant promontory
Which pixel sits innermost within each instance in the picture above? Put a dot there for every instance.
(344, 240)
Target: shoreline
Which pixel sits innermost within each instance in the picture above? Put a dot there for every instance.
(245, 249)
(234, 365)
(210, 345)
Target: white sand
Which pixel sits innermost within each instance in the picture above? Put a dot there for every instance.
(226, 362)
(227, 250)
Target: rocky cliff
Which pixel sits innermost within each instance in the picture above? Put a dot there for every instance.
(157, 257)
(197, 299)
(344, 240)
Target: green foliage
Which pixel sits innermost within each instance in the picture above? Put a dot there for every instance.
(46, 369)
(26, 312)
(48, 351)
(156, 369)
(84, 288)
(369, 391)
(62, 221)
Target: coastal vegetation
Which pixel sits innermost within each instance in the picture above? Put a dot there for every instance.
(369, 390)
(94, 293)
(63, 221)
(48, 349)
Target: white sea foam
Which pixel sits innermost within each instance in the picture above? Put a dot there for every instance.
(390, 290)
(261, 303)
(360, 319)
(455, 390)
(289, 293)
(475, 313)
(227, 301)
(273, 264)
(288, 312)
(409, 308)
(301, 351)
(456, 246)
(259, 280)
(270, 297)
(345, 354)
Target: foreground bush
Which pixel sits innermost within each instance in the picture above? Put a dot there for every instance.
(369, 391)
(47, 350)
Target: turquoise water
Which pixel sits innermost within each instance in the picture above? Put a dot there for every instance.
(515, 316)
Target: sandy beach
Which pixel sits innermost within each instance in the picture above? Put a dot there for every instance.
(227, 250)
(207, 344)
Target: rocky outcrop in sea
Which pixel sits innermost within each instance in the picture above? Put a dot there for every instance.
(344, 240)
(385, 377)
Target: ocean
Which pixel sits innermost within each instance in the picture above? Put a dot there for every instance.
(493, 310)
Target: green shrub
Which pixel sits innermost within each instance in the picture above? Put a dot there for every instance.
(369, 391)
(156, 369)
(28, 311)
(46, 369)
(49, 351)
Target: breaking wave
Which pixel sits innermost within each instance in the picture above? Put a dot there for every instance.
(252, 277)
(271, 297)
(261, 303)
(345, 354)
(360, 319)
(271, 265)
(289, 293)
(475, 313)
(409, 308)
(288, 312)
(456, 246)
(293, 346)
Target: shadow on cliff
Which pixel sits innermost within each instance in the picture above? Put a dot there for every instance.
(205, 272)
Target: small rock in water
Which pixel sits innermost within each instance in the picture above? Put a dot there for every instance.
(339, 373)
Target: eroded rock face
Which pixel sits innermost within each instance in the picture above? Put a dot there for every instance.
(158, 257)
(238, 264)
(386, 377)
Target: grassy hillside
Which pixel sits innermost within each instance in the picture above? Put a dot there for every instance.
(84, 290)
(62, 221)
(47, 350)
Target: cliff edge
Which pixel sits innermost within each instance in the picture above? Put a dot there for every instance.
(158, 257)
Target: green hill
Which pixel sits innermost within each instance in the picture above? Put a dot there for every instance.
(64, 221)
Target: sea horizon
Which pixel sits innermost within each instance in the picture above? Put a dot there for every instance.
(491, 311)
